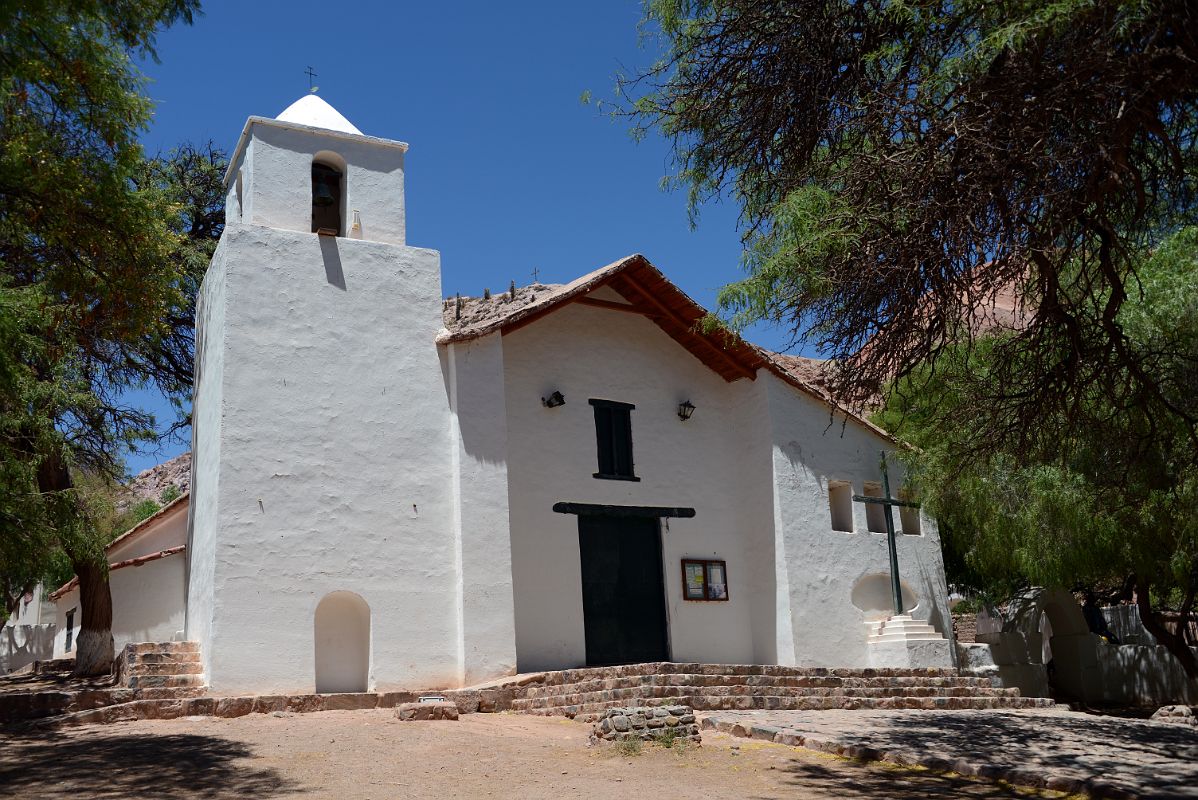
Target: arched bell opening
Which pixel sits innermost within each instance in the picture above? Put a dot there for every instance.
(328, 194)
(342, 631)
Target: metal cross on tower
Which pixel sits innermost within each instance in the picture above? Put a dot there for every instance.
(535, 274)
(888, 503)
(311, 74)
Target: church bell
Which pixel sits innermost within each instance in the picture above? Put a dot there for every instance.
(322, 193)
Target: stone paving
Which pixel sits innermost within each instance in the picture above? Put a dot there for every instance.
(1051, 749)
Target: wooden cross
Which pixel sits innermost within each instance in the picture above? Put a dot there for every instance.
(310, 75)
(888, 503)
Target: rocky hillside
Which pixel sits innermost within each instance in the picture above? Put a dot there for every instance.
(150, 484)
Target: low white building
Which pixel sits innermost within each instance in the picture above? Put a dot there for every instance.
(392, 490)
(147, 573)
(28, 635)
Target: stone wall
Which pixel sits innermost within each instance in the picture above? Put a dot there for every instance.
(647, 723)
(965, 628)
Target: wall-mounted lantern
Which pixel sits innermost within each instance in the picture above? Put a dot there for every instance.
(554, 400)
(685, 409)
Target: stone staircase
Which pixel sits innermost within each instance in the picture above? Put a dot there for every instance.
(723, 687)
(900, 628)
(144, 674)
(162, 670)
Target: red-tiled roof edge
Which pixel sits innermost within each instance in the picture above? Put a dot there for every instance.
(569, 291)
(129, 562)
(141, 527)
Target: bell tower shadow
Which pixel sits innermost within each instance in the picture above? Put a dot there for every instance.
(333, 272)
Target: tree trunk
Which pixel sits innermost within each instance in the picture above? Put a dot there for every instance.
(1175, 643)
(93, 649)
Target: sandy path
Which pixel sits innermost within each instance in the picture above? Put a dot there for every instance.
(368, 755)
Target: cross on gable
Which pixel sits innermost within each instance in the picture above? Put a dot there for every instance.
(888, 503)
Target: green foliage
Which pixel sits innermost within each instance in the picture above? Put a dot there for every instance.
(98, 266)
(628, 747)
(169, 495)
(143, 510)
(667, 738)
(1114, 498)
(900, 166)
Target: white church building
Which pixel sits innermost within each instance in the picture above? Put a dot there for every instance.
(392, 490)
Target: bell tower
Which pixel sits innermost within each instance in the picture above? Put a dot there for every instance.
(321, 428)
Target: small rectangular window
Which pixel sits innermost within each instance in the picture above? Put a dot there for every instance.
(908, 516)
(875, 516)
(704, 579)
(70, 629)
(840, 503)
(613, 438)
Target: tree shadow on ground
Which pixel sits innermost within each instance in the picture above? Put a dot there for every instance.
(104, 763)
(1150, 759)
(856, 779)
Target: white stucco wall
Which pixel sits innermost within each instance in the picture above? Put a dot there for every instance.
(586, 352)
(277, 179)
(207, 413)
(147, 604)
(334, 468)
(486, 616)
(822, 566)
(754, 462)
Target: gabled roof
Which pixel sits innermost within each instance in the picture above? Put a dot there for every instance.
(648, 293)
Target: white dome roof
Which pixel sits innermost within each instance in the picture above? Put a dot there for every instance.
(313, 111)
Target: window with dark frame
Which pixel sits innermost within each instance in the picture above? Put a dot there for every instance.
(613, 437)
(704, 579)
(70, 629)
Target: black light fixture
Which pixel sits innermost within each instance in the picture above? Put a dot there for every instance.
(685, 409)
(554, 400)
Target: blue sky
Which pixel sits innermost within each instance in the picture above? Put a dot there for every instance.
(508, 171)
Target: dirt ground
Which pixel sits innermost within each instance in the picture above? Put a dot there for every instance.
(369, 755)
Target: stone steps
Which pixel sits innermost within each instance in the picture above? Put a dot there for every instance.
(632, 696)
(175, 668)
(830, 703)
(687, 668)
(161, 667)
(712, 687)
(163, 681)
(145, 659)
(716, 682)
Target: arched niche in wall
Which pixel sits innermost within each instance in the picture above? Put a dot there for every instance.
(342, 631)
(328, 193)
(871, 594)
